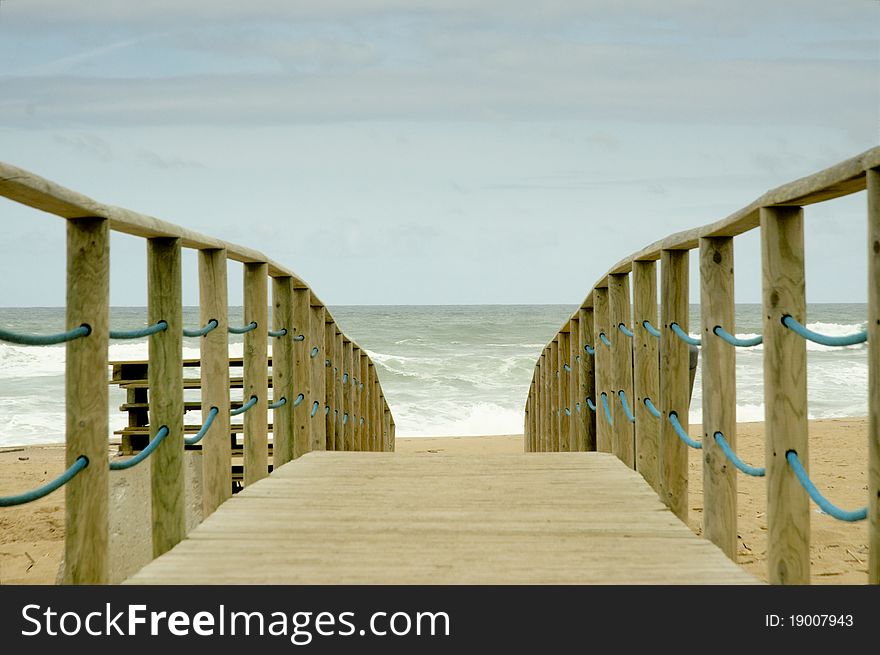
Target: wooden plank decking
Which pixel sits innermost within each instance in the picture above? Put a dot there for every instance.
(374, 518)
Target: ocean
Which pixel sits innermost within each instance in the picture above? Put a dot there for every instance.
(445, 370)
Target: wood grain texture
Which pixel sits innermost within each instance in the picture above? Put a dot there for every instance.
(165, 377)
(214, 351)
(382, 518)
(330, 384)
(874, 376)
(354, 381)
(317, 388)
(363, 390)
(302, 372)
(543, 401)
(719, 392)
(602, 362)
(348, 394)
(646, 371)
(785, 394)
(555, 410)
(283, 364)
(623, 434)
(338, 393)
(587, 379)
(86, 555)
(562, 389)
(674, 380)
(575, 402)
(256, 373)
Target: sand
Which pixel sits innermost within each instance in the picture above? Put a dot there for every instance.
(31, 536)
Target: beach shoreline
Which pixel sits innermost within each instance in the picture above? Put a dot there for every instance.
(32, 535)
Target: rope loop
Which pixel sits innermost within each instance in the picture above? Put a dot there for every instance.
(626, 410)
(141, 456)
(83, 330)
(200, 332)
(676, 425)
(197, 437)
(754, 471)
(241, 330)
(736, 341)
(139, 332)
(654, 332)
(684, 336)
(824, 339)
(35, 494)
(241, 410)
(625, 330)
(824, 504)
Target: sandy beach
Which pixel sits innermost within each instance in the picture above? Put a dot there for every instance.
(31, 536)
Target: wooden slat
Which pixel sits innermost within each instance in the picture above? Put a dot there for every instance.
(874, 376)
(553, 390)
(719, 392)
(354, 382)
(602, 362)
(348, 394)
(343, 518)
(317, 389)
(302, 425)
(587, 379)
(329, 355)
(562, 390)
(283, 370)
(646, 371)
(623, 439)
(86, 555)
(256, 375)
(213, 305)
(575, 402)
(338, 392)
(785, 394)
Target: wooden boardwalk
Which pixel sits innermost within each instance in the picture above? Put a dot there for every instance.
(376, 518)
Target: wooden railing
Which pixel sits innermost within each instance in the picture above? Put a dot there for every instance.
(643, 367)
(342, 405)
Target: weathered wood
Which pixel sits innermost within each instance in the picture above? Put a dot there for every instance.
(302, 376)
(562, 390)
(623, 435)
(282, 370)
(587, 379)
(543, 438)
(646, 371)
(674, 381)
(553, 390)
(602, 362)
(785, 394)
(166, 392)
(874, 376)
(348, 518)
(719, 392)
(86, 558)
(317, 388)
(378, 409)
(214, 351)
(338, 393)
(256, 374)
(364, 389)
(348, 394)
(354, 381)
(330, 384)
(575, 402)
(528, 437)
(387, 422)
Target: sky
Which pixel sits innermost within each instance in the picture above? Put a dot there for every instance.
(435, 152)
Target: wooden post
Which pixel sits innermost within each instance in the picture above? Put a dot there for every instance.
(338, 394)
(330, 383)
(543, 401)
(529, 432)
(621, 367)
(719, 392)
(646, 371)
(555, 410)
(86, 559)
(256, 373)
(873, 376)
(355, 413)
(165, 377)
(370, 414)
(563, 395)
(393, 435)
(302, 378)
(674, 381)
(576, 443)
(378, 409)
(283, 364)
(587, 379)
(316, 340)
(386, 446)
(214, 347)
(785, 394)
(348, 394)
(364, 390)
(602, 362)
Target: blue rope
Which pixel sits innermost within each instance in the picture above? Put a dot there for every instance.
(824, 504)
(327, 362)
(345, 418)
(654, 411)
(754, 471)
(362, 420)
(604, 339)
(315, 406)
(141, 456)
(607, 409)
(241, 330)
(241, 410)
(824, 339)
(300, 337)
(197, 437)
(590, 351)
(20, 499)
(578, 407)
(314, 352)
(567, 411)
(45, 339)
(684, 336)
(654, 332)
(278, 333)
(140, 332)
(590, 404)
(567, 367)
(577, 358)
(736, 341)
(201, 331)
(298, 400)
(626, 410)
(673, 418)
(344, 378)
(278, 404)
(326, 409)
(625, 330)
